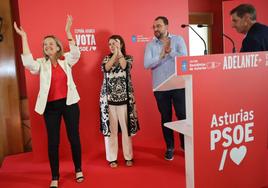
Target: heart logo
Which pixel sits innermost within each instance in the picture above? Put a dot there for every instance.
(93, 48)
(238, 154)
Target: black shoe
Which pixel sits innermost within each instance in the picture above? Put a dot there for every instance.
(113, 164)
(169, 155)
(129, 162)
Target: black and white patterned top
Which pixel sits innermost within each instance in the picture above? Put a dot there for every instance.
(117, 82)
(117, 89)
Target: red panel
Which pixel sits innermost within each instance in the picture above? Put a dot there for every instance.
(127, 18)
(229, 97)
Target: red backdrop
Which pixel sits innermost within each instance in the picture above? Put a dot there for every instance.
(98, 19)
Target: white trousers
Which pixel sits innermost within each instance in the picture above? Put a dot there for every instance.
(118, 113)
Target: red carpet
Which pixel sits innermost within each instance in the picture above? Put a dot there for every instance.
(149, 171)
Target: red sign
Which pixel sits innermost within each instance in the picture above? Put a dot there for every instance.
(228, 95)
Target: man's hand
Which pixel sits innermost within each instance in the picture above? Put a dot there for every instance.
(166, 47)
(166, 42)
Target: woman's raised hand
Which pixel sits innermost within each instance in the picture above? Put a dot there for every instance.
(22, 33)
(20, 30)
(69, 23)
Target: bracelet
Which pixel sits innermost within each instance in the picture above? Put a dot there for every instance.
(70, 39)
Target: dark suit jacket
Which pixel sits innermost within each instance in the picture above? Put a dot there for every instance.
(256, 39)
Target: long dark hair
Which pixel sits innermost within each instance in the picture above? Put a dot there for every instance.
(122, 42)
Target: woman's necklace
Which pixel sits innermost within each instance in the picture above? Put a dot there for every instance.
(54, 63)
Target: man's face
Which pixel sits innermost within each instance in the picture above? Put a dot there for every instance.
(240, 24)
(160, 29)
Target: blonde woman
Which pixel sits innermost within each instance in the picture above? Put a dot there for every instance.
(57, 96)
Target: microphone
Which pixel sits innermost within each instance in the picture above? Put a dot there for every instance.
(205, 51)
(234, 50)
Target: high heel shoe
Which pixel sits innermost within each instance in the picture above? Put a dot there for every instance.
(79, 177)
(113, 164)
(129, 163)
(54, 184)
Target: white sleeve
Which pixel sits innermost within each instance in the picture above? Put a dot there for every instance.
(73, 56)
(30, 64)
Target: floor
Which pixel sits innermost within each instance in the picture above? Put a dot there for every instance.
(149, 170)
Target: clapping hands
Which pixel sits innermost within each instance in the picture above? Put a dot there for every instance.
(166, 47)
(118, 47)
(166, 42)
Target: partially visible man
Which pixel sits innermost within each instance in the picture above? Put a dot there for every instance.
(160, 53)
(244, 21)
